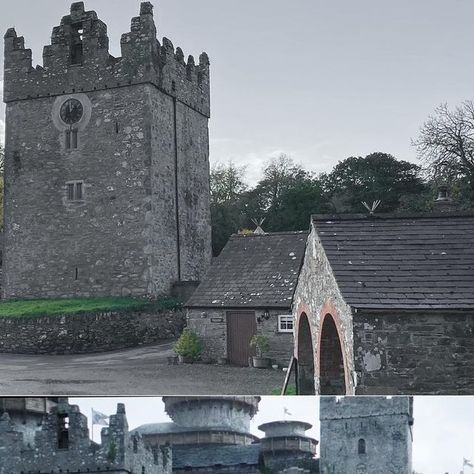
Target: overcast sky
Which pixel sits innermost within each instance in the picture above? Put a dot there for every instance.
(442, 431)
(318, 80)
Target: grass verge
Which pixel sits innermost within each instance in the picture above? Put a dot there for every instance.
(62, 306)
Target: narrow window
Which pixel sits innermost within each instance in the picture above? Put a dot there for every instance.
(68, 139)
(76, 274)
(135, 445)
(75, 191)
(362, 448)
(285, 323)
(76, 44)
(78, 192)
(116, 127)
(63, 431)
(70, 191)
(74, 138)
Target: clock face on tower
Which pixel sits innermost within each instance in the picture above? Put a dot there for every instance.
(71, 111)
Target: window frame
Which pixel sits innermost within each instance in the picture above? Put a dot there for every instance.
(283, 319)
(77, 188)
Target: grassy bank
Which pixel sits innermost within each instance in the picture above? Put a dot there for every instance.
(60, 306)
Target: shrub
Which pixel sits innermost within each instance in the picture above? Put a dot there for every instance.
(188, 345)
(261, 345)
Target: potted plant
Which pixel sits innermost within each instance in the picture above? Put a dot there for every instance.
(261, 346)
(188, 347)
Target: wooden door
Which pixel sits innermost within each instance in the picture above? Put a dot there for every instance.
(241, 327)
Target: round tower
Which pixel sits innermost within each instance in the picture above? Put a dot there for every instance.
(27, 413)
(286, 445)
(204, 420)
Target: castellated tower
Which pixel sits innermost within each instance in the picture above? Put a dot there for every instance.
(366, 435)
(106, 164)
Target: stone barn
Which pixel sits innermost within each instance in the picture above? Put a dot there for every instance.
(385, 305)
(249, 290)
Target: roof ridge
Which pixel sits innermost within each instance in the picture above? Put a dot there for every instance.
(393, 216)
(283, 232)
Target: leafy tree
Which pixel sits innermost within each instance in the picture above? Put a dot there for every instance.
(446, 144)
(286, 196)
(227, 186)
(227, 182)
(378, 176)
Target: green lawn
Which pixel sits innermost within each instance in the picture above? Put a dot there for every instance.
(59, 306)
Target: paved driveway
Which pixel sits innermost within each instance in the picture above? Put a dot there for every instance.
(139, 371)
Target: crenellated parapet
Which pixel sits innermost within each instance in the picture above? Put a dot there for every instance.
(78, 60)
(336, 408)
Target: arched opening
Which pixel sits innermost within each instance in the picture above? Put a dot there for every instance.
(331, 361)
(305, 357)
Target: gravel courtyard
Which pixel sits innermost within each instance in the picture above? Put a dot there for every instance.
(138, 371)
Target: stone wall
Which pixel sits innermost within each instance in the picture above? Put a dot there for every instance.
(88, 332)
(414, 352)
(142, 155)
(211, 326)
(63, 445)
(316, 295)
(384, 425)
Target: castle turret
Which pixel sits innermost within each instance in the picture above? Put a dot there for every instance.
(204, 421)
(366, 434)
(286, 445)
(62, 444)
(26, 414)
(111, 156)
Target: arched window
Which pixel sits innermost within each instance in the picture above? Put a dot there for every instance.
(362, 447)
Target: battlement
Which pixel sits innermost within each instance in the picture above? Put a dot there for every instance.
(78, 60)
(335, 408)
(63, 444)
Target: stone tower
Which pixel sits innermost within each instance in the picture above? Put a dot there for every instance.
(366, 435)
(106, 163)
(27, 414)
(62, 444)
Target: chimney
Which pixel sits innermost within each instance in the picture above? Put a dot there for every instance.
(443, 202)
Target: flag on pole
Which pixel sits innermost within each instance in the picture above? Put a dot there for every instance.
(467, 462)
(99, 418)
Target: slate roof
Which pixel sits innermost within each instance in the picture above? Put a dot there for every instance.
(253, 271)
(212, 455)
(405, 262)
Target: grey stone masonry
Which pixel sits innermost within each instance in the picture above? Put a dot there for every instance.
(414, 352)
(366, 435)
(63, 444)
(88, 332)
(106, 163)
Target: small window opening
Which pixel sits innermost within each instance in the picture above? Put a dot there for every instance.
(77, 51)
(143, 470)
(63, 431)
(135, 445)
(285, 323)
(74, 138)
(71, 139)
(173, 86)
(362, 447)
(76, 274)
(116, 127)
(75, 191)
